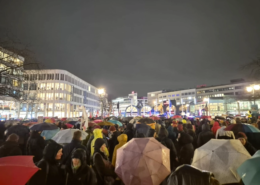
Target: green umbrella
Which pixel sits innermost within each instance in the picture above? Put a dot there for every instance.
(249, 170)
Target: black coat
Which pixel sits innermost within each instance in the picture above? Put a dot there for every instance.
(82, 176)
(186, 148)
(205, 135)
(250, 148)
(112, 142)
(35, 146)
(69, 148)
(50, 173)
(173, 153)
(10, 148)
(193, 135)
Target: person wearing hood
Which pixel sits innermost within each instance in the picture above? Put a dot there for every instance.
(164, 140)
(11, 146)
(90, 133)
(50, 173)
(205, 135)
(75, 143)
(97, 133)
(248, 146)
(171, 133)
(35, 145)
(191, 132)
(77, 171)
(122, 139)
(129, 131)
(142, 130)
(101, 165)
(215, 127)
(112, 142)
(185, 146)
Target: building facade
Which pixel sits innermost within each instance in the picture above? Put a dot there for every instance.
(11, 78)
(57, 93)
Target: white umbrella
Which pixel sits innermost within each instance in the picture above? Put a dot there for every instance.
(65, 136)
(222, 157)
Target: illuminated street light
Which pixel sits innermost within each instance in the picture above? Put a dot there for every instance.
(206, 99)
(101, 91)
(256, 87)
(249, 89)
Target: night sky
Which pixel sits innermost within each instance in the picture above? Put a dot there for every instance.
(139, 45)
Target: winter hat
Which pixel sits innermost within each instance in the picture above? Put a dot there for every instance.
(13, 137)
(241, 134)
(98, 143)
(112, 128)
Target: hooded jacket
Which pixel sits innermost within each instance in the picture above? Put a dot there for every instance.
(186, 148)
(84, 174)
(97, 133)
(112, 142)
(188, 175)
(163, 139)
(142, 130)
(10, 148)
(69, 148)
(50, 172)
(35, 146)
(129, 131)
(122, 139)
(205, 135)
(215, 127)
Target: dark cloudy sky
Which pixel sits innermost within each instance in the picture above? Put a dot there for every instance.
(139, 45)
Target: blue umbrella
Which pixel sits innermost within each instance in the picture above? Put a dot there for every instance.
(116, 122)
(43, 126)
(48, 134)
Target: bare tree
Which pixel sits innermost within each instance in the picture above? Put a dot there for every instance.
(253, 68)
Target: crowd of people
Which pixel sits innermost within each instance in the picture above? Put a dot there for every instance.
(92, 160)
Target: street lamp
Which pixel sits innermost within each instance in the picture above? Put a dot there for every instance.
(253, 88)
(101, 92)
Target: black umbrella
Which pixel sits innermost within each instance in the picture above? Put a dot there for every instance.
(219, 117)
(72, 122)
(146, 120)
(43, 126)
(127, 118)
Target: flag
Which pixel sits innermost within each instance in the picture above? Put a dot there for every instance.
(90, 116)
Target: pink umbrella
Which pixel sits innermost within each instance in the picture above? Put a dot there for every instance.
(69, 125)
(98, 121)
(176, 116)
(143, 161)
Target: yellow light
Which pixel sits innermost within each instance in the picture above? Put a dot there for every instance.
(249, 89)
(205, 99)
(101, 91)
(256, 87)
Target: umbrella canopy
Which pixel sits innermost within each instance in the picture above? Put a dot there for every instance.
(21, 130)
(176, 116)
(48, 134)
(9, 123)
(69, 125)
(154, 118)
(249, 170)
(105, 123)
(50, 120)
(222, 157)
(65, 136)
(98, 120)
(116, 122)
(112, 118)
(143, 161)
(134, 120)
(63, 119)
(205, 117)
(219, 117)
(246, 128)
(43, 126)
(72, 122)
(146, 120)
(16, 170)
(127, 118)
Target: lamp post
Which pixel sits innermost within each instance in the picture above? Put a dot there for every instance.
(101, 92)
(252, 89)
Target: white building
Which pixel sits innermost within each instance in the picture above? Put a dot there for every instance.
(56, 92)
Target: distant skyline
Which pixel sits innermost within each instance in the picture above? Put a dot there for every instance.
(140, 46)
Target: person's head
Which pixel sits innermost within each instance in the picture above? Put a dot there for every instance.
(64, 127)
(242, 140)
(100, 145)
(180, 127)
(189, 126)
(129, 126)
(52, 152)
(77, 135)
(13, 138)
(163, 132)
(112, 128)
(78, 157)
(241, 135)
(238, 121)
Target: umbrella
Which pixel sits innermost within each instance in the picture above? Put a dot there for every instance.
(63, 119)
(65, 136)
(249, 170)
(134, 120)
(43, 126)
(50, 120)
(105, 123)
(72, 122)
(143, 161)
(98, 120)
(69, 125)
(176, 116)
(222, 157)
(112, 118)
(246, 128)
(146, 120)
(9, 123)
(154, 118)
(21, 130)
(219, 117)
(127, 118)
(48, 134)
(16, 170)
(205, 117)
(116, 122)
